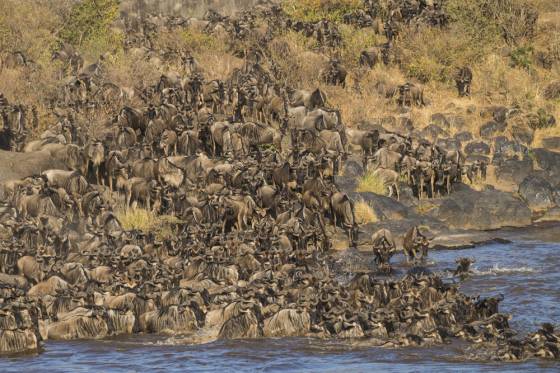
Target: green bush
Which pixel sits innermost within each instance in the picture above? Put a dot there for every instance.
(316, 10)
(88, 26)
(485, 21)
(522, 57)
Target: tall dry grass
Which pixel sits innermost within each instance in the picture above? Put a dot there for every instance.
(364, 213)
(163, 226)
(370, 183)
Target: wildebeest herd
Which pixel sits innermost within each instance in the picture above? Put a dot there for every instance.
(247, 167)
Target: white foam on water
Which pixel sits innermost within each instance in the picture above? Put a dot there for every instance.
(497, 270)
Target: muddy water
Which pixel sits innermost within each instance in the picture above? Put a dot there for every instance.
(525, 272)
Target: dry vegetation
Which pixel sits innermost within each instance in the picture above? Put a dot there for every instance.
(364, 213)
(163, 226)
(370, 183)
(492, 37)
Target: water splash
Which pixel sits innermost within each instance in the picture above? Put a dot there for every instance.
(497, 270)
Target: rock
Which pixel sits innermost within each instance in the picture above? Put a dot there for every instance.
(385, 208)
(549, 162)
(440, 120)
(486, 210)
(353, 169)
(490, 129)
(449, 144)
(551, 143)
(475, 157)
(537, 192)
(497, 113)
(552, 214)
(507, 149)
(523, 135)
(457, 122)
(433, 132)
(513, 170)
(15, 166)
(463, 136)
(346, 184)
(478, 148)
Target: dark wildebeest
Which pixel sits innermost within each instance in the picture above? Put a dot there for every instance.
(463, 79)
(414, 243)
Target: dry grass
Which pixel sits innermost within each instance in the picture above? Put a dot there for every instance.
(147, 221)
(364, 213)
(371, 183)
(315, 10)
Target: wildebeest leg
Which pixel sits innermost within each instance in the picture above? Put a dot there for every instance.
(433, 184)
(128, 196)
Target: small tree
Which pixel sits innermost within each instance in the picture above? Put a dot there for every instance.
(88, 25)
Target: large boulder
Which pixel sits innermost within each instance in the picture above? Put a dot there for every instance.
(522, 134)
(549, 162)
(353, 168)
(491, 129)
(497, 113)
(457, 122)
(433, 132)
(506, 149)
(14, 166)
(537, 192)
(551, 143)
(440, 120)
(484, 210)
(346, 184)
(449, 144)
(477, 148)
(385, 208)
(513, 170)
(463, 136)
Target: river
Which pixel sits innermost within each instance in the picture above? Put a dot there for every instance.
(525, 272)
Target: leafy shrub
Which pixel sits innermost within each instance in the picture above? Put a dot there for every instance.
(522, 57)
(88, 26)
(541, 120)
(316, 10)
(354, 42)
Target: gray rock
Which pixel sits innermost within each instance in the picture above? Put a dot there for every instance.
(346, 184)
(551, 143)
(449, 144)
(537, 192)
(464, 136)
(486, 210)
(490, 129)
(385, 208)
(549, 162)
(513, 170)
(440, 120)
(497, 113)
(457, 122)
(433, 132)
(478, 148)
(506, 149)
(353, 169)
(475, 157)
(523, 135)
